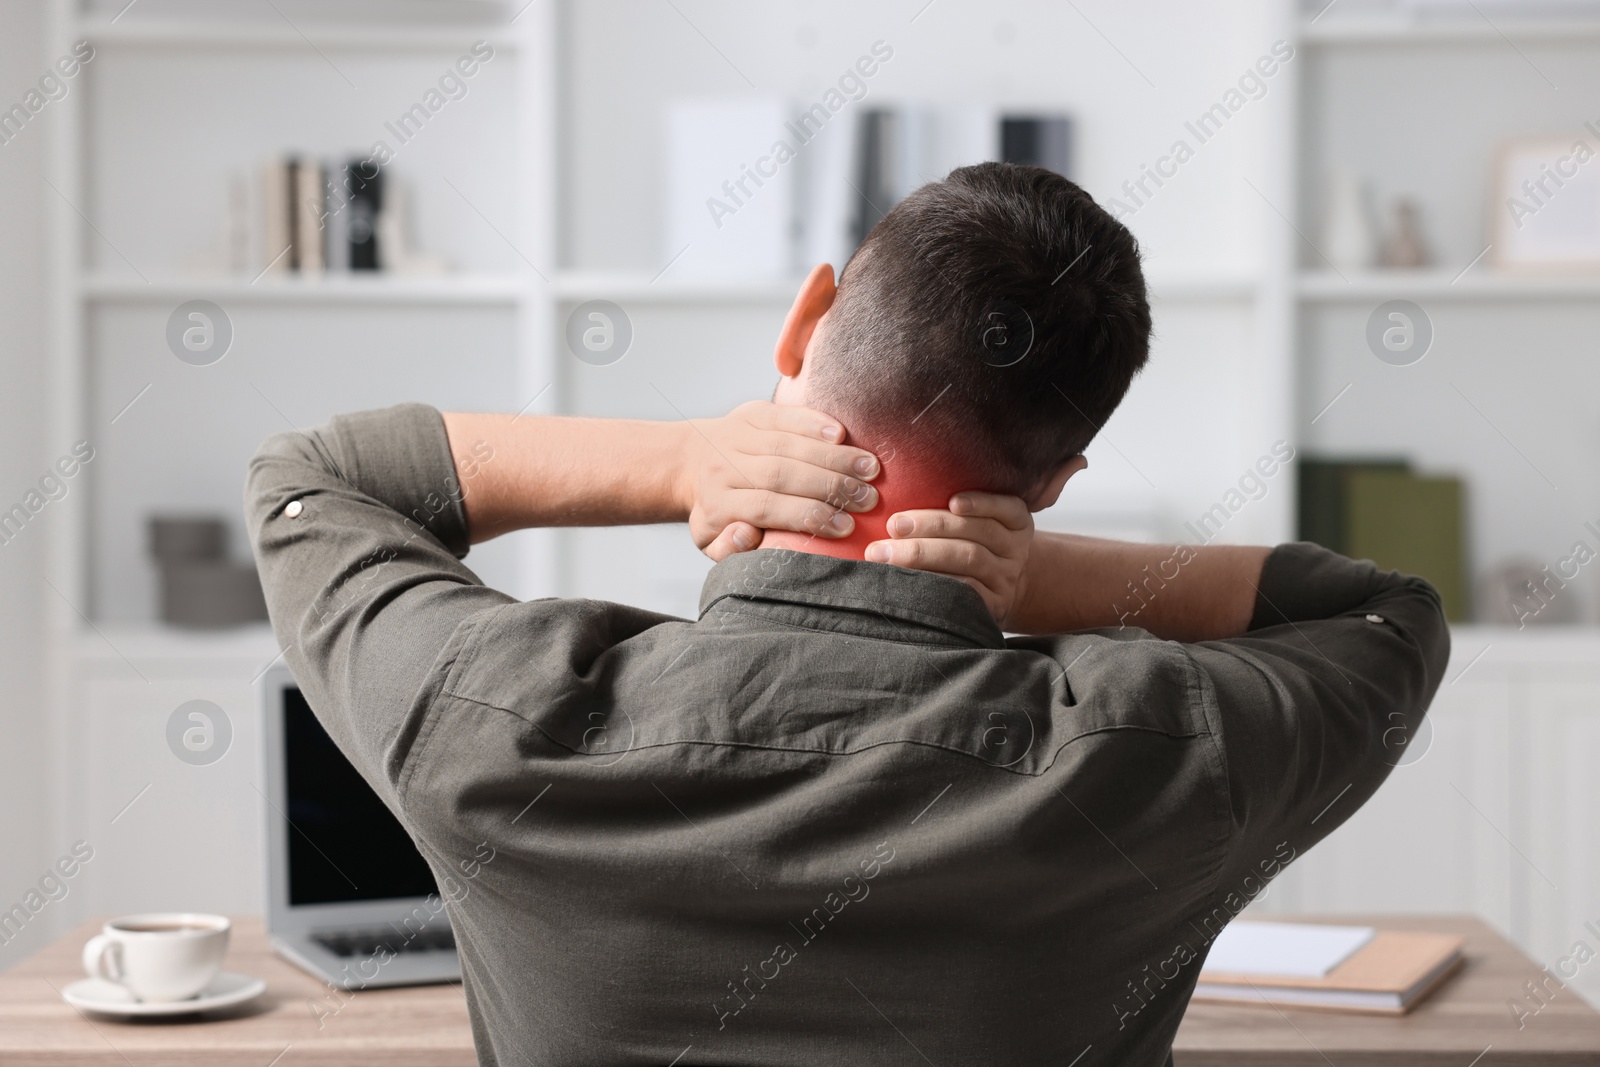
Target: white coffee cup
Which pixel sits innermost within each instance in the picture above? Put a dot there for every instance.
(159, 956)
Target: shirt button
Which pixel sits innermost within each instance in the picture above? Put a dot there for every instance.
(293, 509)
(1370, 618)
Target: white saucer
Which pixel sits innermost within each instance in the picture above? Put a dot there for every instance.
(225, 990)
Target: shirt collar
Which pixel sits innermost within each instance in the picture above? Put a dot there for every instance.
(871, 599)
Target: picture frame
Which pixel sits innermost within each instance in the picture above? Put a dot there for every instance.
(1544, 213)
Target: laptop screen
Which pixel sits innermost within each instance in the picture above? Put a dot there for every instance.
(344, 845)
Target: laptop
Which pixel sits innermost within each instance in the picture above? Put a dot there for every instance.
(348, 894)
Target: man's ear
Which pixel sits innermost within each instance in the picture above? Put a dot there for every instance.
(813, 301)
(1049, 489)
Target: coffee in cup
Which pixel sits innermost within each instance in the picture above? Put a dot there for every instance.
(159, 957)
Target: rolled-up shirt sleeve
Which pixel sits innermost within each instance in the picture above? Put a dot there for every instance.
(359, 530)
(1317, 700)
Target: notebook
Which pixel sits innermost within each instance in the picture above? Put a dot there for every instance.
(1342, 968)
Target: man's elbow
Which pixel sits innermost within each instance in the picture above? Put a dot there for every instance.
(1418, 614)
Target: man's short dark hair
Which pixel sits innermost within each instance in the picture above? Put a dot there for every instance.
(994, 319)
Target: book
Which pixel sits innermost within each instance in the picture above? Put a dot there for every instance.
(866, 160)
(1040, 140)
(309, 184)
(365, 193)
(829, 200)
(1335, 968)
(1298, 950)
(768, 188)
(1378, 509)
(335, 217)
(1409, 523)
(277, 234)
(895, 153)
(292, 212)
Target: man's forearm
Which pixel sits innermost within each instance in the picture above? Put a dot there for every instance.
(1178, 592)
(536, 470)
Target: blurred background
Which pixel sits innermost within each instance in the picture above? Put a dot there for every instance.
(1372, 236)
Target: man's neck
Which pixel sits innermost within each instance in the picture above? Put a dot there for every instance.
(902, 486)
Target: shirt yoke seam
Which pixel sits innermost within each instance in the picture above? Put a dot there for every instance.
(935, 621)
(1044, 768)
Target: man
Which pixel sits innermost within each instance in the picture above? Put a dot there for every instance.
(839, 818)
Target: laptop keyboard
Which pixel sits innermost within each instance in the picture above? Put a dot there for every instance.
(346, 943)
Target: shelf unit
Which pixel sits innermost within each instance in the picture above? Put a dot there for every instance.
(1472, 29)
(1491, 819)
(574, 286)
(1326, 286)
(121, 678)
(332, 289)
(1264, 341)
(1231, 308)
(90, 299)
(1479, 404)
(210, 34)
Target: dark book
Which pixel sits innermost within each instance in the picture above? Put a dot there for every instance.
(1038, 140)
(365, 192)
(877, 165)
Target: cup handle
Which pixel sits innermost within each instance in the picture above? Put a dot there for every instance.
(102, 958)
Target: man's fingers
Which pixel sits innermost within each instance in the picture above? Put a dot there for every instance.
(845, 459)
(990, 533)
(794, 478)
(790, 418)
(943, 556)
(1010, 511)
(777, 511)
(736, 537)
(804, 434)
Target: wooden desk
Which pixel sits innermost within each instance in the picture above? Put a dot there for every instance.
(420, 1026)
(427, 1026)
(1452, 1028)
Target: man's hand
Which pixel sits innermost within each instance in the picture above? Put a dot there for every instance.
(982, 540)
(767, 466)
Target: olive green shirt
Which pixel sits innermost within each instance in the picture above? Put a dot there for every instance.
(838, 818)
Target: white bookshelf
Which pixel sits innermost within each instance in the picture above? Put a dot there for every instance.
(1487, 821)
(582, 224)
(1476, 284)
(562, 162)
(1419, 105)
(1466, 28)
(132, 201)
(339, 288)
(573, 286)
(245, 83)
(253, 36)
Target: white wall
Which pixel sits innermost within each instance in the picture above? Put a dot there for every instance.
(25, 751)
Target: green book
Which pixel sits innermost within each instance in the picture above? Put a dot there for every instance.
(1412, 524)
